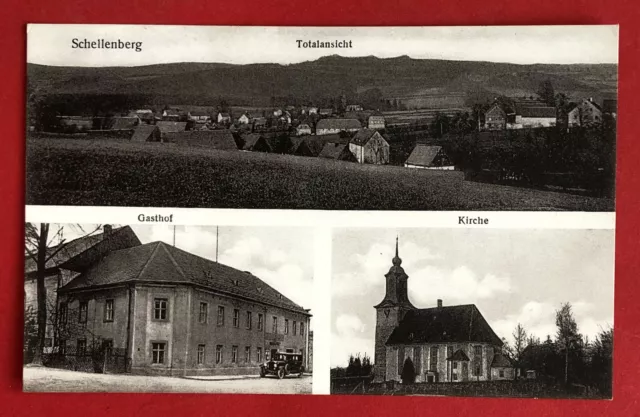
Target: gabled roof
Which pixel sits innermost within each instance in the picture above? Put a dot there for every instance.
(167, 126)
(221, 139)
(339, 124)
(198, 113)
(537, 112)
(145, 133)
(303, 126)
(332, 150)
(123, 123)
(159, 262)
(362, 137)
(458, 355)
(423, 155)
(76, 252)
(250, 140)
(448, 324)
(501, 361)
(224, 114)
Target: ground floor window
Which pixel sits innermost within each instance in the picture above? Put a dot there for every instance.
(501, 373)
(234, 354)
(201, 350)
(219, 354)
(247, 354)
(158, 351)
(259, 354)
(81, 347)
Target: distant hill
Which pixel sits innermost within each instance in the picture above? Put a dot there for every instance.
(403, 78)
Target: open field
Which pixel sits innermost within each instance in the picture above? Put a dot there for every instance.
(116, 173)
(58, 380)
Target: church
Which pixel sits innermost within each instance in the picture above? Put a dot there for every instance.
(436, 344)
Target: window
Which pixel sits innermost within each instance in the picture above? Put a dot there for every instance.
(286, 326)
(108, 310)
(477, 361)
(81, 347)
(455, 377)
(455, 365)
(158, 352)
(219, 354)
(236, 317)
(220, 316)
(433, 358)
(301, 329)
(62, 314)
(247, 354)
(48, 342)
(260, 321)
(274, 325)
(259, 354)
(248, 321)
(82, 312)
(107, 345)
(295, 327)
(160, 307)
(449, 351)
(234, 354)
(62, 346)
(203, 313)
(501, 373)
(200, 356)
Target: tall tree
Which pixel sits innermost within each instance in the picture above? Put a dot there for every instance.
(567, 334)
(520, 342)
(546, 93)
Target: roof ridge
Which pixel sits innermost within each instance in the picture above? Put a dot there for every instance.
(173, 260)
(144, 267)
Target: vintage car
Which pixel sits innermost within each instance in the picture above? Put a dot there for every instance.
(282, 364)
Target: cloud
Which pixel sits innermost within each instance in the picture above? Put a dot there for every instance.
(351, 337)
(349, 325)
(459, 284)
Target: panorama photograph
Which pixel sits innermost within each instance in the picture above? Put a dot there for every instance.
(360, 118)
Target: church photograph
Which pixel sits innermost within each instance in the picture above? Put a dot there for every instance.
(137, 308)
(472, 312)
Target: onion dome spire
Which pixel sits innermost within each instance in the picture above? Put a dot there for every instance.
(396, 259)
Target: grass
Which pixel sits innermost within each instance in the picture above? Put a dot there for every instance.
(116, 173)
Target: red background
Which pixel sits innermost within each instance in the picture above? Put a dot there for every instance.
(16, 14)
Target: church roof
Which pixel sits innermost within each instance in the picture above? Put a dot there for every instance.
(158, 262)
(458, 355)
(501, 361)
(449, 324)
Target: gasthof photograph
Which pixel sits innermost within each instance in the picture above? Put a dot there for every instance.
(132, 308)
(476, 312)
(359, 118)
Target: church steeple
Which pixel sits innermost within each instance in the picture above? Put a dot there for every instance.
(396, 284)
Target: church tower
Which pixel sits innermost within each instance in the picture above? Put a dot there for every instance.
(389, 312)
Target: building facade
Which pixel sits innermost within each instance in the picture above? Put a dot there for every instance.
(495, 118)
(376, 122)
(438, 344)
(369, 147)
(169, 312)
(331, 126)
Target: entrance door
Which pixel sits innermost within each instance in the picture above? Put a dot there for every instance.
(465, 371)
(273, 353)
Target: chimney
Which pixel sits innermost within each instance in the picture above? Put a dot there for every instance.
(106, 230)
(439, 303)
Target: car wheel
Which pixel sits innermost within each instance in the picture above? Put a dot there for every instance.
(280, 373)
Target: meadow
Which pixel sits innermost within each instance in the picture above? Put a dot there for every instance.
(119, 173)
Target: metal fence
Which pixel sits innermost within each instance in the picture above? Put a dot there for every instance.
(100, 360)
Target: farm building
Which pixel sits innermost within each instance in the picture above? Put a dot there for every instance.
(369, 147)
(199, 116)
(536, 116)
(303, 129)
(255, 142)
(259, 123)
(167, 126)
(586, 113)
(337, 151)
(306, 146)
(173, 115)
(437, 344)
(353, 107)
(169, 312)
(122, 123)
(244, 119)
(93, 244)
(224, 118)
(80, 123)
(495, 118)
(376, 121)
(329, 126)
(325, 112)
(429, 157)
(146, 133)
(221, 139)
(313, 110)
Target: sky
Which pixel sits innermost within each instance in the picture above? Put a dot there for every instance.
(512, 275)
(51, 44)
(280, 256)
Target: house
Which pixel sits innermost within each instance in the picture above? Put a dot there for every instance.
(353, 107)
(376, 121)
(586, 113)
(167, 127)
(369, 147)
(81, 250)
(325, 112)
(436, 344)
(429, 157)
(305, 146)
(244, 119)
(502, 368)
(255, 142)
(199, 116)
(123, 123)
(536, 116)
(277, 113)
(337, 151)
(303, 129)
(171, 115)
(259, 123)
(329, 126)
(146, 133)
(495, 118)
(224, 118)
(573, 116)
(313, 110)
(165, 311)
(221, 139)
